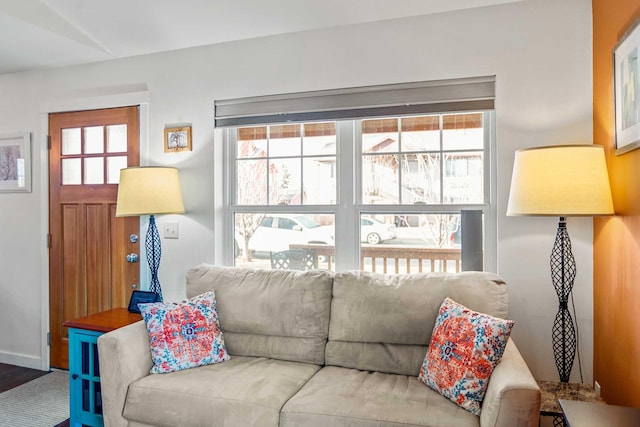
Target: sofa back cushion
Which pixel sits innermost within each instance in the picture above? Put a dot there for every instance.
(269, 313)
(384, 322)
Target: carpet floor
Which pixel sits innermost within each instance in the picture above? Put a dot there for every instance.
(43, 402)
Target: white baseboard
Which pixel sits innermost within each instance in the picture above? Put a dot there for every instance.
(26, 361)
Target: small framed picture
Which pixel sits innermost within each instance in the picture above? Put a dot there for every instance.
(141, 297)
(15, 163)
(626, 84)
(177, 139)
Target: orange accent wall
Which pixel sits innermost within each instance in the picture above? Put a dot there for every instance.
(616, 252)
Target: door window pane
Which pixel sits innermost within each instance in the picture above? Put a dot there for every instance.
(71, 141)
(94, 170)
(117, 138)
(260, 238)
(114, 164)
(71, 172)
(93, 140)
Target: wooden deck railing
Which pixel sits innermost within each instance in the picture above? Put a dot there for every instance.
(396, 258)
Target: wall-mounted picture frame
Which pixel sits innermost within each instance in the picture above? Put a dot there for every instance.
(177, 139)
(15, 163)
(626, 85)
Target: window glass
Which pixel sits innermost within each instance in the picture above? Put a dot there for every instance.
(422, 145)
(289, 173)
(409, 242)
(380, 176)
(285, 141)
(462, 132)
(286, 182)
(405, 180)
(257, 241)
(421, 133)
(252, 182)
(319, 139)
(464, 179)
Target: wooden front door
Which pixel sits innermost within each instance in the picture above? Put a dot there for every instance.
(88, 271)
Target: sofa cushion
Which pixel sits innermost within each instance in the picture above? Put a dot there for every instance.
(384, 322)
(349, 397)
(465, 348)
(269, 313)
(243, 391)
(185, 335)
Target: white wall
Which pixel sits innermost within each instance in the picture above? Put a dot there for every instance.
(542, 60)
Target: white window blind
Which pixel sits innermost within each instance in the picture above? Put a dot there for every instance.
(452, 95)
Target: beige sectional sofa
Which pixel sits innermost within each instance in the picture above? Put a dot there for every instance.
(315, 348)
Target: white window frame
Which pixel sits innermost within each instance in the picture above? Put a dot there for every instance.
(349, 207)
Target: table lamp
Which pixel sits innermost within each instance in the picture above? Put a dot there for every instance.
(150, 190)
(562, 180)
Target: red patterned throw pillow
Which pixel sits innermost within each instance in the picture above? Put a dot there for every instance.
(184, 335)
(465, 348)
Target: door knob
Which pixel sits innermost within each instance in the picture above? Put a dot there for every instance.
(134, 286)
(133, 257)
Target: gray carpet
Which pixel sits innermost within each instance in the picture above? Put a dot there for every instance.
(43, 402)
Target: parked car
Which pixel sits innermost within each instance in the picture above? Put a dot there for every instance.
(277, 232)
(373, 231)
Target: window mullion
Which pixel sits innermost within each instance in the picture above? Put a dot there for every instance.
(347, 220)
(442, 162)
(230, 195)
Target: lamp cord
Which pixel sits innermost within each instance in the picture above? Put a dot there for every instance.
(575, 317)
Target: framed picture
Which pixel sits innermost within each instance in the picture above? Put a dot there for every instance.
(177, 139)
(15, 162)
(626, 84)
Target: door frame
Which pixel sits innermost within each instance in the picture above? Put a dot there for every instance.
(140, 98)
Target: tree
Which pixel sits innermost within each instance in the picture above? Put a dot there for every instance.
(252, 190)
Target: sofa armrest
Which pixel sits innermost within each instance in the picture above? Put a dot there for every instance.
(125, 357)
(512, 398)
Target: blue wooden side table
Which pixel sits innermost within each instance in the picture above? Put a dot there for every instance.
(85, 394)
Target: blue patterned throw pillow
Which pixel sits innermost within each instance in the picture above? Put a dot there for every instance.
(184, 335)
(465, 348)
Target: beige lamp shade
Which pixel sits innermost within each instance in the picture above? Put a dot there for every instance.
(149, 190)
(561, 180)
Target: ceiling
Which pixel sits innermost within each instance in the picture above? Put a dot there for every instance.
(38, 34)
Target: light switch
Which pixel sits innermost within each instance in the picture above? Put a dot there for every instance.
(171, 230)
